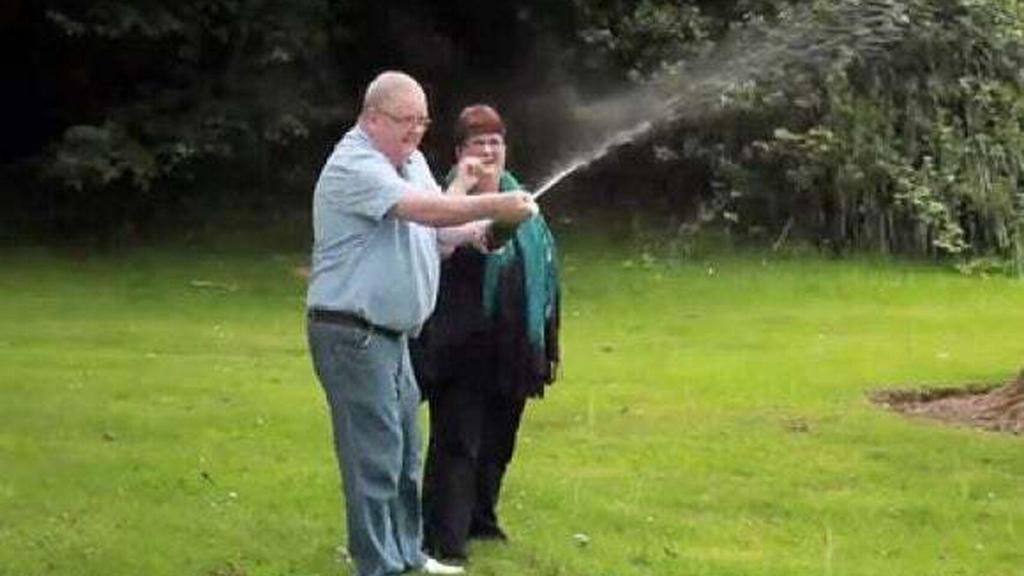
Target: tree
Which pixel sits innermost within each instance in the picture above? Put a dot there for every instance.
(156, 103)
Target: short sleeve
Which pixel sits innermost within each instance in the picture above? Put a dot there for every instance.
(363, 182)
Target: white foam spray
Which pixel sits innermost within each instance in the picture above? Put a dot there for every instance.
(701, 87)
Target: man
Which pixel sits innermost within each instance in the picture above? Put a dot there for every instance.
(376, 214)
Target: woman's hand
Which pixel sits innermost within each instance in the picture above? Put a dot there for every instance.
(467, 174)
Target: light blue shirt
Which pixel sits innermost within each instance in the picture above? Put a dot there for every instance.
(366, 261)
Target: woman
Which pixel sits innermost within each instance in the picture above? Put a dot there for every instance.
(491, 344)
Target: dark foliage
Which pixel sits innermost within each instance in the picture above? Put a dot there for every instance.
(883, 124)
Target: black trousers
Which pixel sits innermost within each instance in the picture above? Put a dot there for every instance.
(472, 438)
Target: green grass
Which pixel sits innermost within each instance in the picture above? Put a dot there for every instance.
(159, 415)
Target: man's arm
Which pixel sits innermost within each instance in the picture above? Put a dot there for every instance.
(455, 207)
(439, 210)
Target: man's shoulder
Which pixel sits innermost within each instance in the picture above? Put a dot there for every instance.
(355, 143)
(355, 153)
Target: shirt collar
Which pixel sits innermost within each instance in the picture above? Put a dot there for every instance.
(363, 138)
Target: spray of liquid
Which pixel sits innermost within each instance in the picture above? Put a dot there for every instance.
(617, 139)
(700, 87)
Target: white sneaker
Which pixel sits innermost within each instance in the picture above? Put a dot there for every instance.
(432, 566)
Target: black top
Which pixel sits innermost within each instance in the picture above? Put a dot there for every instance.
(459, 338)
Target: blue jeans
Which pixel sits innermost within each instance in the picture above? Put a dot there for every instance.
(372, 393)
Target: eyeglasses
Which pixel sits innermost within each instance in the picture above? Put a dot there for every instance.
(408, 120)
(493, 142)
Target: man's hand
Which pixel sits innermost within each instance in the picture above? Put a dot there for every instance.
(514, 207)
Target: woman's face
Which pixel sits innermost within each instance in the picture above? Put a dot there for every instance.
(489, 148)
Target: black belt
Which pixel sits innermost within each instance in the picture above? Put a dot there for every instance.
(342, 318)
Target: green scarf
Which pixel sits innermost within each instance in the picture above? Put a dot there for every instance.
(533, 243)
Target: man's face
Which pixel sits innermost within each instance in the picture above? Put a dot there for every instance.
(489, 148)
(398, 126)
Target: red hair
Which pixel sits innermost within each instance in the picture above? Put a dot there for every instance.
(478, 119)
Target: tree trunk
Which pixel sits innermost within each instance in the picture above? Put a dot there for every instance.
(1005, 406)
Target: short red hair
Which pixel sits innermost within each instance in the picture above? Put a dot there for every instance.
(478, 119)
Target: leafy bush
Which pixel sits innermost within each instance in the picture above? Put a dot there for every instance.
(917, 149)
(194, 106)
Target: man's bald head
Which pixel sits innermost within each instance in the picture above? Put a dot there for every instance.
(395, 115)
(388, 87)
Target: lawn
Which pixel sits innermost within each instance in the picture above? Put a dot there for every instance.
(159, 416)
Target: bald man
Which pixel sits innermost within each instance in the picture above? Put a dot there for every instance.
(380, 225)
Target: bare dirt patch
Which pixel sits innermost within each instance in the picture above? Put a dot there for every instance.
(990, 407)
